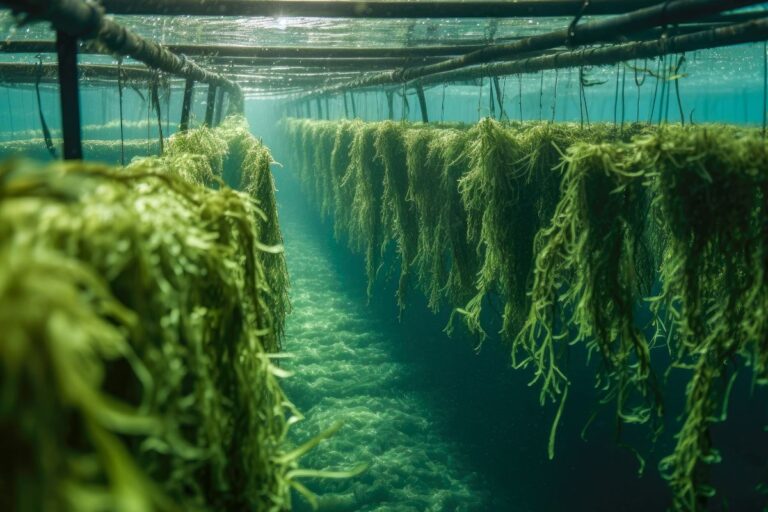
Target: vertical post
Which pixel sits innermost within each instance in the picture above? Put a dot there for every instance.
(327, 109)
(391, 104)
(346, 107)
(319, 108)
(422, 103)
(354, 108)
(210, 104)
(66, 49)
(219, 106)
(186, 105)
(309, 109)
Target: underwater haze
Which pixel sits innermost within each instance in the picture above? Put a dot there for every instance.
(440, 418)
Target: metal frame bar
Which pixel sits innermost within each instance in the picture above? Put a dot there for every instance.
(749, 32)
(677, 11)
(373, 9)
(86, 21)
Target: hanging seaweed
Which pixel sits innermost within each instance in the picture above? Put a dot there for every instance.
(588, 279)
(426, 193)
(366, 174)
(185, 262)
(711, 188)
(398, 213)
(248, 168)
(506, 199)
(573, 229)
(343, 192)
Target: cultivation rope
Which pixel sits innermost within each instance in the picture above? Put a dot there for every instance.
(554, 97)
(677, 88)
(765, 87)
(155, 99)
(44, 125)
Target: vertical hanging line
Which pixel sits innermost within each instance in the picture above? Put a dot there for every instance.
(520, 93)
(581, 96)
(480, 98)
(69, 91)
(664, 87)
(541, 96)
(677, 77)
(155, 98)
(422, 103)
(352, 102)
(43, 124)
(390, 104)
(186, 105)
(616, 98)
(623, 96)
(765, 89)
(217, 113)
(10, 109)
(346, 106)
(327, 110)
(319, 108)
(149, 114)
(491, 101)
(120, 100)
(499, 97)
(639, 83)
(442, 104)
(554, 97)
(210, 105)
(168, 108)
(404, 105)
(655, 92)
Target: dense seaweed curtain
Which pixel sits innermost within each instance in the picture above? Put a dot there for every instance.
(583, 233)
(142, 309)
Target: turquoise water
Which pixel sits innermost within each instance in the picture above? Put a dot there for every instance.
(442, 426)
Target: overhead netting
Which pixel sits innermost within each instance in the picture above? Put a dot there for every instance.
(577, 232)
(141, 311)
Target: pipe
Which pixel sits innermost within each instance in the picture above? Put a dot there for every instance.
(672, 12)
(750, 32)
(371, 9)
(86, 21)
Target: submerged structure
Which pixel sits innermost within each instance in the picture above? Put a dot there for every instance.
(591, 205)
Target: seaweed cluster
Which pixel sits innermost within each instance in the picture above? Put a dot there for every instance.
(141, 315)
(620, 241)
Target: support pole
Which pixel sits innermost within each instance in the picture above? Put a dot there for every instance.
(422, 103)
(600, 30)
(66, 49)
(327, 110)
(210, 104)
(319, 108)
(186, 105)
(354, 107)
